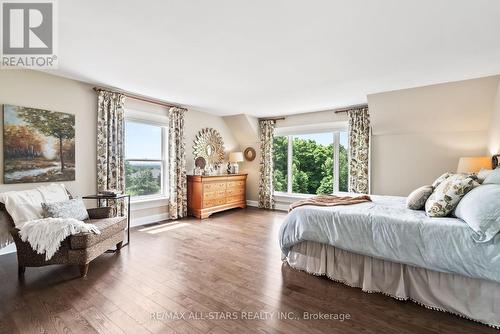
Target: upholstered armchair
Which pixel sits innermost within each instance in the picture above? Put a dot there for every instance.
(79, 249)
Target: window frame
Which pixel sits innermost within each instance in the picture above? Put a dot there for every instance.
(289, 133)
(164, 180)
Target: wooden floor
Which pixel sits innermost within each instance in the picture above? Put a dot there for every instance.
(192, 277)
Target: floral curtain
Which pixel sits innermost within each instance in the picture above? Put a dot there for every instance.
(266, 188)
(177, 164)
(110, 143)
(359, 150)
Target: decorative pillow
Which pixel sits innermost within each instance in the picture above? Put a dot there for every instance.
(480, 209)
(447, 195)
(73, 208)
(416, 200)
(440, 179)
(493, 178)
(483, 174)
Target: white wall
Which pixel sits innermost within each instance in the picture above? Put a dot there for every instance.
(143, 213)
(245, 129)
(40, 90)
(44, 91)
(419, 133)
(195, 121)
(494, 134)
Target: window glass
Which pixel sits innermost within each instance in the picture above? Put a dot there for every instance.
(144, 161)
(142, 141)
(316, 167)
(312, 169)
(343, 161)
(280, 163)
(143, 178)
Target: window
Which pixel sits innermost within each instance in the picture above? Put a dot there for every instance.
(312, 163)
(144, 159)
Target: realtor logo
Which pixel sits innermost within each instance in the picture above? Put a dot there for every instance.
(28, 34)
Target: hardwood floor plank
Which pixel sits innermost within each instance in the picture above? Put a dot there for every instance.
(223, 275)
(126, 323)
(78, 324)
(100, 322)
(7, 324)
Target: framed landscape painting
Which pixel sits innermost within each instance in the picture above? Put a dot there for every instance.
(38, 145)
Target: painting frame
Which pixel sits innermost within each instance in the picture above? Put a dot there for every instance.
(39, 145)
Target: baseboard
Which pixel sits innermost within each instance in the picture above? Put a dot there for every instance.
(149, 219)
(134, 222)
(8, 249)
(253, 203)
(281, 207)
(278, 206)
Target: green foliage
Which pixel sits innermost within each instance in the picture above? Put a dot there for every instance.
(312, 168)
(300, 180)
(280, 163)
(279, 181)
(139, 180)
(343, 168)
(326, 185)
(52, 124)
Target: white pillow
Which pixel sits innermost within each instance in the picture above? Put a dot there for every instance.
(23, 205)
(26, 205)
(483, 174)
(72, 208)
(416, 200)
(53, 193)
(480, 209)
(493, 178)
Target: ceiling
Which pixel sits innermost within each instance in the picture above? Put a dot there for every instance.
(269, 58)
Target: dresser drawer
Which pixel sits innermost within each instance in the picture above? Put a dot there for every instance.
(208, 195)
(235, 198)
(214, 202)
(235, 191)
(215, 186)
(236, 184)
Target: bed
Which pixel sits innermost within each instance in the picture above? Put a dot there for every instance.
(381, 246)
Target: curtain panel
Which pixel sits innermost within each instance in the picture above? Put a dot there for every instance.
(177, 164)
(359, 150)
(110, 142)
(266, 188)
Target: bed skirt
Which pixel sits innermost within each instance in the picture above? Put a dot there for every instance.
(474, 299)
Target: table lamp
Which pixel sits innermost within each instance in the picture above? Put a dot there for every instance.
(234, 158)
(473, 164)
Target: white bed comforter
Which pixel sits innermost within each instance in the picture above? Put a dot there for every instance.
(385, 229)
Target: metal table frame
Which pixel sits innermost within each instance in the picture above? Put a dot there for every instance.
(126, 200)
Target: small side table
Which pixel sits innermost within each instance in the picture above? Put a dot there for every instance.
(126, 200)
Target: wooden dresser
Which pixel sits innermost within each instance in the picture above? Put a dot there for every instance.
(209, 194)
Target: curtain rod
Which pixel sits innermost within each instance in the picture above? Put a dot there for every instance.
(272, 119)
(140, 98)
(346, 109)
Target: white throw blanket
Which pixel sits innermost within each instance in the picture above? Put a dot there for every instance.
(45, 235)
(26, 205)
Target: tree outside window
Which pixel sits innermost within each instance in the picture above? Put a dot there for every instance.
(144, 159)
(319, 163)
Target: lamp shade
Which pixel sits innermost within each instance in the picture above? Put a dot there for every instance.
(473, 164)
(235, 156)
